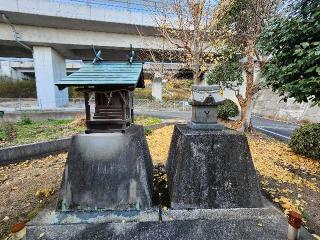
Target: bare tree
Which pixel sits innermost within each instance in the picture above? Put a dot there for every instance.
(159, 58)
(190, 28)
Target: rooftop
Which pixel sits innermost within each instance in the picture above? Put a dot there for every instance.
(106, 74)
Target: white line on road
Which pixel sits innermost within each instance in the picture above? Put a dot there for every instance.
(284, 128)
(264, 130)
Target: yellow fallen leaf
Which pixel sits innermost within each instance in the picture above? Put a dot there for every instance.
(44, 192)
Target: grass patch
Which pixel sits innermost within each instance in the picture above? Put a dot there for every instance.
(147, 132)
(146, 121)
(7, 131)
(28, 131)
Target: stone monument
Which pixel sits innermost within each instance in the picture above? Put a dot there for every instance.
(204, 101)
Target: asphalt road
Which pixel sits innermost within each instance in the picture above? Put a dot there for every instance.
(276, 129)
(272, 128)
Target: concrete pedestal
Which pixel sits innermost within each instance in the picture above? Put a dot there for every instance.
(110, 171)
(49, 68)
(205, 126)
(211, 169)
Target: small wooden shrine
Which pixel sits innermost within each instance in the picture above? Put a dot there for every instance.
(111, 84)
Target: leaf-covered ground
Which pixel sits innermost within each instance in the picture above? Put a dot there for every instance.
(289, 180)
(159, 142)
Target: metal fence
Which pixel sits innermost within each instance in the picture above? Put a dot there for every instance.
(31, 104)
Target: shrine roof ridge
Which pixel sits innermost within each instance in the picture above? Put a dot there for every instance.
(106, 73)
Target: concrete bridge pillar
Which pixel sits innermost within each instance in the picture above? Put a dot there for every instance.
(49, 68)
(157, 87)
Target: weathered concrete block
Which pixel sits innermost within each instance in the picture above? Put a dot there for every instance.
(211, 169)
(107, 171)
(204, 224)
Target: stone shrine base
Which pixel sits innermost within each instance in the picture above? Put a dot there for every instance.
(235, 223)
(205, 126)
(211, 169)
(110, 171)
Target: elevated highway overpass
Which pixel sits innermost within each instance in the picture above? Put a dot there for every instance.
(71, 27)
(50, 31)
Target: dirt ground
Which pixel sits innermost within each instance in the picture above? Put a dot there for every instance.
(291, 181)
(28, 187)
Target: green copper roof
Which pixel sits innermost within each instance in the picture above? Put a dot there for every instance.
(106, 74)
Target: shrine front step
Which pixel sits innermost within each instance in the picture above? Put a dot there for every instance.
(227, 224)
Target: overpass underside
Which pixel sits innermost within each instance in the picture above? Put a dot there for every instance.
(51, 31)
(74, 44)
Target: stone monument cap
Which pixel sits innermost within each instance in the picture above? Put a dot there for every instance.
(200, 94)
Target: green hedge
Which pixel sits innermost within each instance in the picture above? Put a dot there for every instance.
(228, 109)
(10, 88)
(305, 140)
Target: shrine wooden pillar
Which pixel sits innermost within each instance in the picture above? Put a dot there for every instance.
(87, 105)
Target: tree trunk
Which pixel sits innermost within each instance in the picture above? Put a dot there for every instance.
(243, 105)
(196, 44)
(196, 64)
(247, 125)
(246, 104)
(245, 113)
(196, 69)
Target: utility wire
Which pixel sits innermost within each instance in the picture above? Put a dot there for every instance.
(16, 35)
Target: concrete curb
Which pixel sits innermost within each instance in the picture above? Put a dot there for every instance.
(40, 115)
(20, 153)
